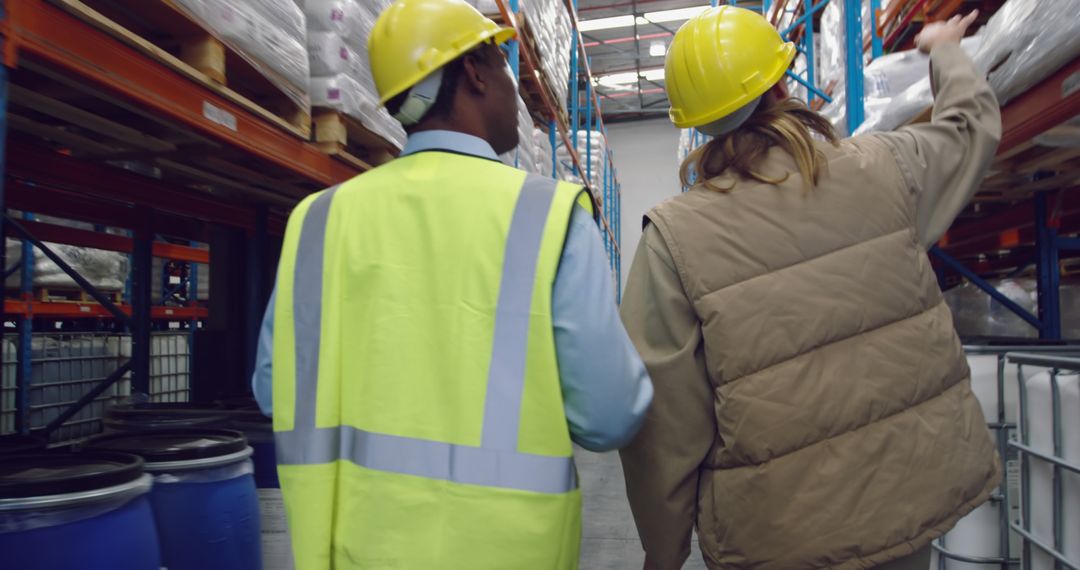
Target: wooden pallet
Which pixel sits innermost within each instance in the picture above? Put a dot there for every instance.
(164, 32)
(69, 295)
(346, 138)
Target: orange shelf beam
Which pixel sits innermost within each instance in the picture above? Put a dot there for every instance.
(39, 29)
(70, 310)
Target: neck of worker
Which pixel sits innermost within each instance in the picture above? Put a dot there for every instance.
(459, 124)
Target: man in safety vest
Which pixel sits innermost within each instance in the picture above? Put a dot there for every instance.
(442, 328)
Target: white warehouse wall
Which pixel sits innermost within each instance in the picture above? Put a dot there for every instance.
(645, 159)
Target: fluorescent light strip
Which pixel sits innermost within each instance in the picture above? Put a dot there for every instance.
(630, 77)
(648, 18)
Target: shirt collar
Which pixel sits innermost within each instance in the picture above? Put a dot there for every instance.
(452, 141)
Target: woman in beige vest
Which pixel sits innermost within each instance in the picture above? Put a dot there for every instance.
(813, 405)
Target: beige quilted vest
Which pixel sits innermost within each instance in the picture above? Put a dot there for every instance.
(848, 435)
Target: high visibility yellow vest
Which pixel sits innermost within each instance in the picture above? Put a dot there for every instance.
(417, 407)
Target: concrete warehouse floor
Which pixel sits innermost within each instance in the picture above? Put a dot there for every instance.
(609, 538)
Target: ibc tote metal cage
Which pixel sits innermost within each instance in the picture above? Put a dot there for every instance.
(64, 366)
(1032, 526)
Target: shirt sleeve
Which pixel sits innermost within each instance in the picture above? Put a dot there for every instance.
(606, 389)
(662, 463)
(262, 381)
(946, 159)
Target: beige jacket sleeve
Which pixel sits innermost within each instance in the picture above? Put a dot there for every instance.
(661, 464)
(946, 159)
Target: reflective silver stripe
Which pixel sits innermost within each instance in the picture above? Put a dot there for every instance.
(432, 459)
(497, 463)
(307, 306)
(506, 375)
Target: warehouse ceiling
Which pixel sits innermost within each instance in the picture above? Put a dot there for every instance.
(627, 53)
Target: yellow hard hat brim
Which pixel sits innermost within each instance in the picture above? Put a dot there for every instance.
(498, 35)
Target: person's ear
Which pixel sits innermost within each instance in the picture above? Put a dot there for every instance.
(474, 74)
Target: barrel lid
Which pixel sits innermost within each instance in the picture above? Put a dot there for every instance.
(172, 444)
(39, 474)
(15, 443)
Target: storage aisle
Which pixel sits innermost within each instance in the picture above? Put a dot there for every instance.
(609, 539)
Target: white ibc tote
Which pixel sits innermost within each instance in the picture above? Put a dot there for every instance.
(1050, 427)
(982, 540)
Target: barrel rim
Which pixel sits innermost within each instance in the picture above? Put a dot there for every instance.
(129, 467)
(232, 442)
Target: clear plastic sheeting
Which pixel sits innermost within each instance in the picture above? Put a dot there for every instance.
(338, 32)
(591, 150)
(976, 314)
(1022, 44)
(75, 507)
(343, 93)
(830, 62)
(105, 270)
(1062, 136)
(525, 155)
(897, 87)
(1026, 41)
(269, 34)
(212, 475)
(549, 23)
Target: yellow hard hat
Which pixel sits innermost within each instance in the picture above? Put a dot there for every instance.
(720, 61)
(413, 38)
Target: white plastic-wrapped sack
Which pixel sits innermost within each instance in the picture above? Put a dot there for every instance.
(345, 95)
(327, 53)
(1026, 41)
(343, 17)
(898, 87)
(275, 50)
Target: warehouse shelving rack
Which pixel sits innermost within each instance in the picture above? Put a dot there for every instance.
(66, 86)
(565, 121)
(74, 97)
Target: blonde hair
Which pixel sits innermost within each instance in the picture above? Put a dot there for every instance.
(786, 123)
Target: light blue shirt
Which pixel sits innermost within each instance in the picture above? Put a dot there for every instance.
(606, 389)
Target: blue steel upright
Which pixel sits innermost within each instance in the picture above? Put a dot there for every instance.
(1049, 272)
(854, 42)
(808, 47)
(24, 373)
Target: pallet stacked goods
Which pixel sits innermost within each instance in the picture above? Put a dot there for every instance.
(341, 82)
(526, 155)
(1022, 44)
(269, 34)
(591, 149)
(551, 30)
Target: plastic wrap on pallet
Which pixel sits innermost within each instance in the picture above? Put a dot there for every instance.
(898, 87)
(106, 270)
(549, 22)
(976, 314)
(831, 60)
(265, 37)
(1022, 44)
(1062, 136)
(341, 80)
(346, 95)
(524, 156)
(327, 53)
(1028, 40)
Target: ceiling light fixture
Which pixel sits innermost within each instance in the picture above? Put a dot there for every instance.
(643, 20)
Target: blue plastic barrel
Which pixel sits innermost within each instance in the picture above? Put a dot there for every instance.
(204, 498)
(76, 510)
